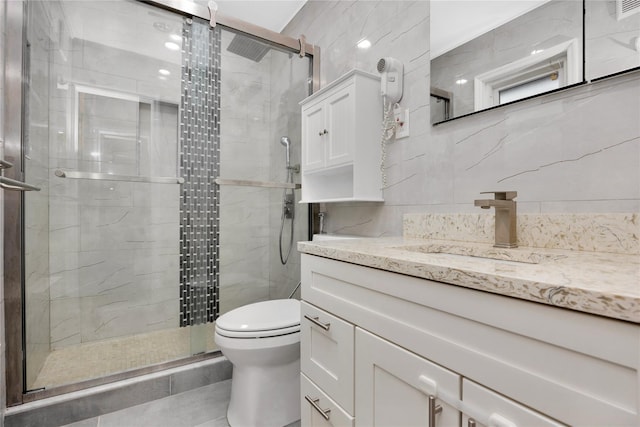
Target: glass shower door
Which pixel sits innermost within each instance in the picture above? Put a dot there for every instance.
(104, 246)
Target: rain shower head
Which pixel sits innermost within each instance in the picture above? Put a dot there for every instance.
(251, 49)
(287, 144)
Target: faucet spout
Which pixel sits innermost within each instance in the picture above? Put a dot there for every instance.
(488, 203)
(505, 226)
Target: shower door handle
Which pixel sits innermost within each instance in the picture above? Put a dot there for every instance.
(13, 185)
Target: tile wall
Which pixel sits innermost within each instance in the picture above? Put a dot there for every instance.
(36, 210)
(289, 86)
(573, 151)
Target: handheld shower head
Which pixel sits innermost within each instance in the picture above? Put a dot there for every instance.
(287, 143)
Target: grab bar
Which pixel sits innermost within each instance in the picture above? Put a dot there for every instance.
(13, 185)
(110, 177)
(263, 184)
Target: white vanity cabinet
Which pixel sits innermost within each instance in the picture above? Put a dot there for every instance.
(397, 388)
(341, 137)
(500, 361)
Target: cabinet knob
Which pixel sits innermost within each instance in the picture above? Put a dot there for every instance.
(323, 132)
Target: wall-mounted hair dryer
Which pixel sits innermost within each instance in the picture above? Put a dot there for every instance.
(392, 72)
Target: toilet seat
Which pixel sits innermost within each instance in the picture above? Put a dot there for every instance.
(261, 320)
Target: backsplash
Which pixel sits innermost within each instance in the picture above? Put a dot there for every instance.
(612, 233)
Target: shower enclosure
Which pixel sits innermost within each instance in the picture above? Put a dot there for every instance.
(153, 138)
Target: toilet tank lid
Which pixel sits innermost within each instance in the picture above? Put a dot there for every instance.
(262, 316)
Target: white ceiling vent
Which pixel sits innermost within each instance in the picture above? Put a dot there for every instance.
(626, 8)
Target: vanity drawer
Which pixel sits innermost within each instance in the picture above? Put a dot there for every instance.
(318, 410)
(326, 347)
(498, 410)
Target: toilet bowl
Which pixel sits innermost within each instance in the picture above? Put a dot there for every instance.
(262, 341)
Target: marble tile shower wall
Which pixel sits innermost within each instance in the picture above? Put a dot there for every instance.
(288, 87)
(244, 146)
(113, 245)
(573, 151)
(36, 203)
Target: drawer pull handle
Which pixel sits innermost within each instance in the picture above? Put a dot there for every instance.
(433, 411)
(314, 403)
(471, 423)
(317, 322)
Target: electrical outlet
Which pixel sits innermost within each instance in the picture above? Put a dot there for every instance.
(401, 118)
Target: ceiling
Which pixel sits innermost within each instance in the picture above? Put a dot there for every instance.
(271, 14)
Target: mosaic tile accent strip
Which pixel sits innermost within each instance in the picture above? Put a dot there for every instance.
(199, 166)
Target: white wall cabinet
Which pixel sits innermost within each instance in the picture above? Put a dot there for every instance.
(500, 361)
(341, 140)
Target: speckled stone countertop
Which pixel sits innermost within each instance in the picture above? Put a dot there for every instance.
(604, 284)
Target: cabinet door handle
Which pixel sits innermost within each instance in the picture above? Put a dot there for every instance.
(314, 403)
(433, 410)
(471, 423)
(317, 322)
(323, 132)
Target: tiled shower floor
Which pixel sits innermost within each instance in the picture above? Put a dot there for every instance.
(93, 360)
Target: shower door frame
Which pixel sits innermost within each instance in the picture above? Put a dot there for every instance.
(16, 73)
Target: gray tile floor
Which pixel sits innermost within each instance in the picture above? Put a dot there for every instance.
(200, 407)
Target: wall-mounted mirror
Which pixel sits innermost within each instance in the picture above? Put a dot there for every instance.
(612, 30)
(491, 52)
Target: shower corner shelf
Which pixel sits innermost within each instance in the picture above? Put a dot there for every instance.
(341, 141)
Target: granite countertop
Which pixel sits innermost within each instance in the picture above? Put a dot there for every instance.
(604, 284)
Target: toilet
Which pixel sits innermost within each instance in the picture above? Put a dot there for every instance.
(262, 341)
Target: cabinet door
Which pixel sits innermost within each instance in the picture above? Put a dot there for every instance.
(326, 354)
(393, 386)
(494, 410)
(313, 137)
(319, 410)
(341, 126)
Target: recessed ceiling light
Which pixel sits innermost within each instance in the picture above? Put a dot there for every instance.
(175, 37)
(533, 52)
(164, 72)
(364, 44)
(461, 81)
(171, 46)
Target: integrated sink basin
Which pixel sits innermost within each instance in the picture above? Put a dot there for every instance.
(480, 251)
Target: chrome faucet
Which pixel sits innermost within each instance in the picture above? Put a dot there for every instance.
(505, 217)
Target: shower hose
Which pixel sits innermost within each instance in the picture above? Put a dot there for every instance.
(288, 212)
